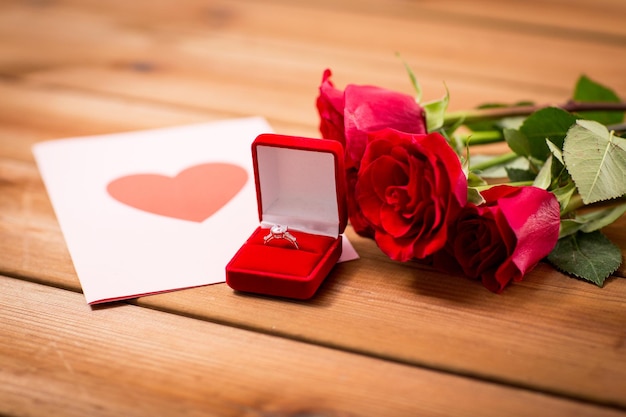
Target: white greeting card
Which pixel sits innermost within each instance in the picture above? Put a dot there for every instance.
(157, 210)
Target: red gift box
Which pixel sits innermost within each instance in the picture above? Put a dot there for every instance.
(300, 185)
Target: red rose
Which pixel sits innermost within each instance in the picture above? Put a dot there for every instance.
(330, 105)
(370, 109)
(409, 188)
(348, 116)
(503, 238)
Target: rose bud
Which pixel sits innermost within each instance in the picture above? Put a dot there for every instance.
(502, 239)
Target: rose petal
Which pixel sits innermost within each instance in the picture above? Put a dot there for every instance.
(369, 109)
(534, 217)
(410, 188)
(330, 106)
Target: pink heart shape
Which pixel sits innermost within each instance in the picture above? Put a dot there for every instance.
(195, 194)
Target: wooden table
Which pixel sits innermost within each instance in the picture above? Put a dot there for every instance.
(380, 338)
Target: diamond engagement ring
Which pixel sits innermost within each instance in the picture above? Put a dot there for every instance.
(280, 232)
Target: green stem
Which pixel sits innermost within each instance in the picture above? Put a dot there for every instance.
(500, 112)
(482, 137)
(513, 184)
(495, 161)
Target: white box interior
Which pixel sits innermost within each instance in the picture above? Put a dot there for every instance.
(298, 189)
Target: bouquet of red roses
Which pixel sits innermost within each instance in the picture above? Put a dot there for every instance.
(412, 189)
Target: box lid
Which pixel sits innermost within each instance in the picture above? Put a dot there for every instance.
(300, 183)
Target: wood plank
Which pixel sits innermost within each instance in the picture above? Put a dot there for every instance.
(187, 44)
(549, 332)
(59, 357)
(74, 68)
(31, 113)
(555, 17)
(599, 20)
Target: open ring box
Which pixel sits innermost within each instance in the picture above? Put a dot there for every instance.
(299, 184)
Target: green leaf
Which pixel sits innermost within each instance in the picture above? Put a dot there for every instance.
(435, 112)
(414, 82)
(474, 196)
(564, 194)
(556, 152)
(544, 177)
(590, 222)
(598, 220)
(568, 227)
(520, 175)
(549, 123)
(517, 141)
(596, 161)
(590, 256)
(588, 90)
(474, 180)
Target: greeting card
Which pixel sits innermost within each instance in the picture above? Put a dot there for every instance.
(152, 211)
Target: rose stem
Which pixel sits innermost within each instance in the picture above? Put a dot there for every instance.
(501, 112)
(481, 137)
(495, 161)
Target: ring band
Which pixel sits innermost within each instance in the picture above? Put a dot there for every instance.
(280, 232)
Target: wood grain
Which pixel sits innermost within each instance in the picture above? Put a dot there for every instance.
(380, 338)
(125, 360)
(181, 55)
(402, 312)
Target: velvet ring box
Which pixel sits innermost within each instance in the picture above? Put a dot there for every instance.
(300, 185)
